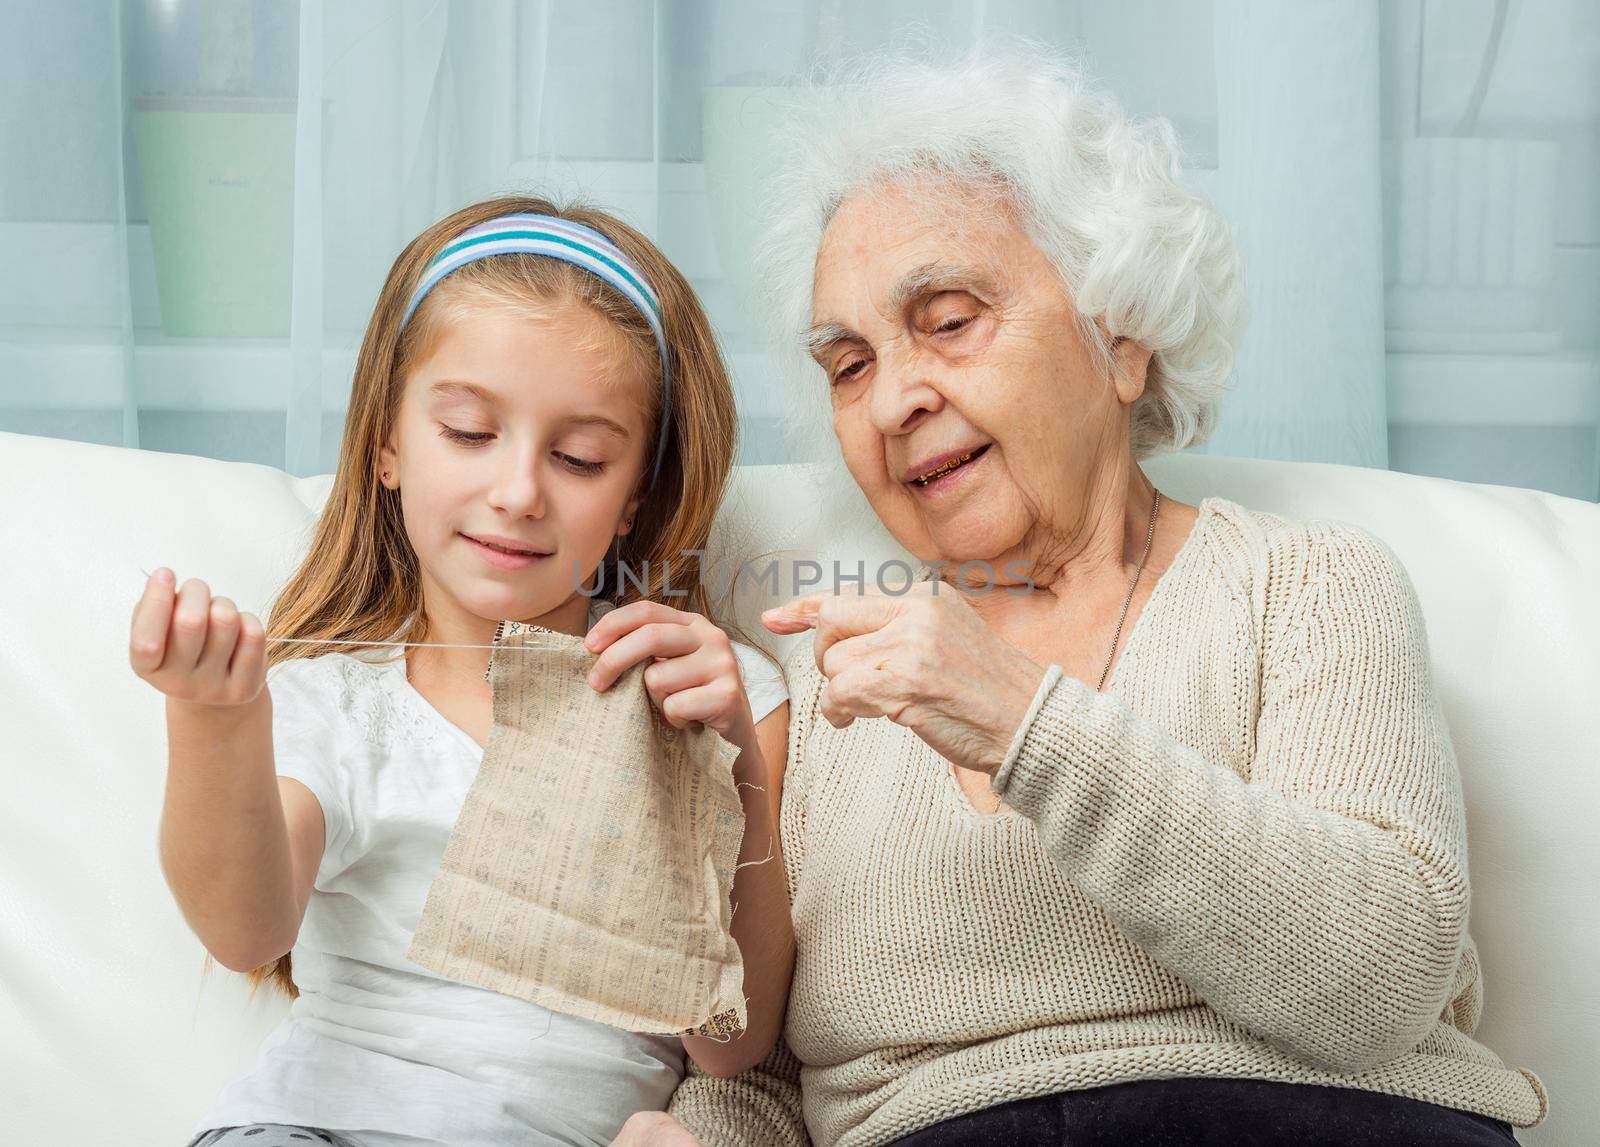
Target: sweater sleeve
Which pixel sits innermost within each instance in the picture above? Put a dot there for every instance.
(1322, 903)
(761, 1107)
(756, 1108)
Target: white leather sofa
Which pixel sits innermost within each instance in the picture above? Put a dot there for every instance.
(108, 1034)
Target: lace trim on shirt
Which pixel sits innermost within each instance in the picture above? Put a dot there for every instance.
(382, 706)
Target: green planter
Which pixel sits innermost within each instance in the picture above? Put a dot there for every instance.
(218, 176)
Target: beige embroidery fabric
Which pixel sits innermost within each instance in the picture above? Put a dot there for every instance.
(591, 866)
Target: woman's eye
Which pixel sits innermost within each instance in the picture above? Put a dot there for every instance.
(580, 465)
(953, 324)
(850, 371)
(468, 436)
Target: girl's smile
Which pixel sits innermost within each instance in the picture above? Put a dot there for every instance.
(502, 558)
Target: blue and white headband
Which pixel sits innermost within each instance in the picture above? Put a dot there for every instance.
(523, 233)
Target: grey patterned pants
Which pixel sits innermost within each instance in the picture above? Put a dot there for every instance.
(269, 1135)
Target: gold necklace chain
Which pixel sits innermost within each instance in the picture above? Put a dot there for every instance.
(1115, 637)
(1155, 509)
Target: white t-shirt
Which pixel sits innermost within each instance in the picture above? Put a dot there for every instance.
(381, 1049)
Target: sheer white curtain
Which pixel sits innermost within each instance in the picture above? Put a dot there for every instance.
(199, 198)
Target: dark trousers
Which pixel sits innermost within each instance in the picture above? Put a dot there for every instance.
(1202, 1112)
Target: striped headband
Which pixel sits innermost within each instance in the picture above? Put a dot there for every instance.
(523, 233)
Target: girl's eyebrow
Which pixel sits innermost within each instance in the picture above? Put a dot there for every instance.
(599, 422)
(451, 387)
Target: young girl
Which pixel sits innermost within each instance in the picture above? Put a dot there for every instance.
(538, 401)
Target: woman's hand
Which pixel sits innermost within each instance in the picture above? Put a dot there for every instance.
(653, 1129)
(693, 676)
(925, 660)
(196, 648)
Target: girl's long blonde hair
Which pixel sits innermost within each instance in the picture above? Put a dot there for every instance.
(360, 581)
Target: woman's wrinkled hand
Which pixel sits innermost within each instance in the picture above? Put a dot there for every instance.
(925, 660)
(653, 1129)
(693, 676)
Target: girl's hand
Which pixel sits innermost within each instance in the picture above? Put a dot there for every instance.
(693, 675)
(925, 660)
(195, 647)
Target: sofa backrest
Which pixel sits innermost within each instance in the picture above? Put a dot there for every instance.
(107, 1030)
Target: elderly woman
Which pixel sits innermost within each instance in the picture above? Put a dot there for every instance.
(1144, 824)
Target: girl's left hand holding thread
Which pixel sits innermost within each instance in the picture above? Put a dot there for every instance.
(693, 676)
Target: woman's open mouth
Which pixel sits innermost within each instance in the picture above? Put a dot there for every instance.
(948, 473)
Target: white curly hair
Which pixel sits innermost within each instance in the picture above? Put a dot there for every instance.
(1097, 190)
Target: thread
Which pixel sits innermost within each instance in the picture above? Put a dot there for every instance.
(398, 644)
(767, 859)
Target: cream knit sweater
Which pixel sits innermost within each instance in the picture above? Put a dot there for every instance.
(1247, 857)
